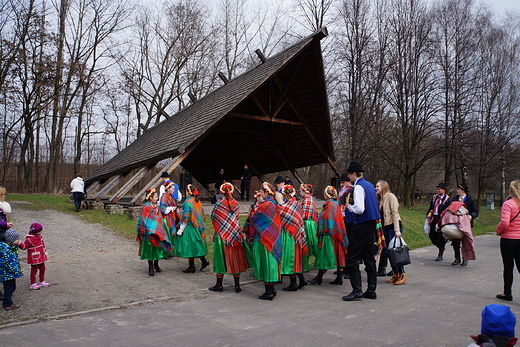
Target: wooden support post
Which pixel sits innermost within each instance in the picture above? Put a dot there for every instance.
(155, 181)
(131, 183)
(108, 187)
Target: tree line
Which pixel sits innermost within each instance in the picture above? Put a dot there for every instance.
(419, 91)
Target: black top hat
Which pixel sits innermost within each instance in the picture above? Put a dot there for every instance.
(464, 187)
(344, 177)
(355, 167)
(441, 185)
(279, 179)
(165, 174)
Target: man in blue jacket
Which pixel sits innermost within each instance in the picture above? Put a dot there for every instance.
(363, 215)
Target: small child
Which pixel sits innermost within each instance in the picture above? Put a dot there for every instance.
(36, 255)
(9, 267)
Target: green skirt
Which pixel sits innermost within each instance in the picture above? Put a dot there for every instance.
(190, 244)
(149, 252)
(292, 255)
(266, 266)
(227, 259)
(326, 259)
(310, 233)
(170, 233)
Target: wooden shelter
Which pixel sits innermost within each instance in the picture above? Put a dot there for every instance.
(274, 117)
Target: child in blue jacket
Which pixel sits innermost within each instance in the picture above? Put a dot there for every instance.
(9, 267)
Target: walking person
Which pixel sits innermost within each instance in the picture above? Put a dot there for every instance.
(154, 244)
(364, 214)
(310, 220)
(77, 187)
(471, 205)
(190, 241)
(265, 235)
(439, 203)
(332, 239)
(229, 252)
(36, 255)
(294, 244)
(509, 230)
(392, 227)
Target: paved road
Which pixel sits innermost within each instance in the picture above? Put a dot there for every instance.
(440, 306)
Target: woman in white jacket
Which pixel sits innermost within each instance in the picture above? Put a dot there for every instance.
(77, 187)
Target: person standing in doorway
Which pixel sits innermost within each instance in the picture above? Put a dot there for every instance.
(77, 187)
(245, 183)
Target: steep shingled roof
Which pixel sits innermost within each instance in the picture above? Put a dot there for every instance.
(225, 129)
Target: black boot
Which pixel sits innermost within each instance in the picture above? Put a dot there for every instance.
(302, 280)
(439, 256)
(237, 284)
(383, 262)
(150, 268)
(156, 266)
(456, 250)
(372, 284)
(205, 263)
(218, 286)
(318, 279)
(191, 267)
(339, 277)
(268, 295)
(292, 286)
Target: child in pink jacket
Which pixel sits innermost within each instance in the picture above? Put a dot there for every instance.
(36, 255)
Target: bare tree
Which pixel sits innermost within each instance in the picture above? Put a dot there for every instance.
(167, 42)
(412, 89)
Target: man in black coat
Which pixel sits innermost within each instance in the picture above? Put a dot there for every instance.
(471, 205)
(245, 183)
(439, 203)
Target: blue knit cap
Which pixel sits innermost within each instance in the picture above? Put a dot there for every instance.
(498, 320)
(11, 235)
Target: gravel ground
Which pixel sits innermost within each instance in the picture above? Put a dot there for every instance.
(91, 268)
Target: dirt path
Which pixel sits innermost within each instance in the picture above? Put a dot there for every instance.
(91, 268)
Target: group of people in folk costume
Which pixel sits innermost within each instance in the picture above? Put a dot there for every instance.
(278, 237)
(160, 227)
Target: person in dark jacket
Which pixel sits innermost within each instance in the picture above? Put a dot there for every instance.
(471, 205)
(245, 183)
(439, 203)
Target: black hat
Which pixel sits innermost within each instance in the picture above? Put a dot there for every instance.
(441, 185)
(279, 179)
(344, 177)
(165, 174)
(464, 187)
(355, 167)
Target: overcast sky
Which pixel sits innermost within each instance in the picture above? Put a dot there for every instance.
(502, 5)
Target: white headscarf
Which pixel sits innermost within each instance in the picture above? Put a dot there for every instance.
(5, 206)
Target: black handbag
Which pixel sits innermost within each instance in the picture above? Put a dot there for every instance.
(399, 255)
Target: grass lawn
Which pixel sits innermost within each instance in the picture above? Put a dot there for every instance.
(413, 219)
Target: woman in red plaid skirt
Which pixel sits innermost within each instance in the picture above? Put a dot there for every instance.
(229, 253)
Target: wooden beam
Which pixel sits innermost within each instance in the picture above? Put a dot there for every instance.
(93, 188)
(155, 181)
(265, 119)
(261, 55)
(223, 77)
(313, 136)
(131, 183)
(192, 97)
(109, 186)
